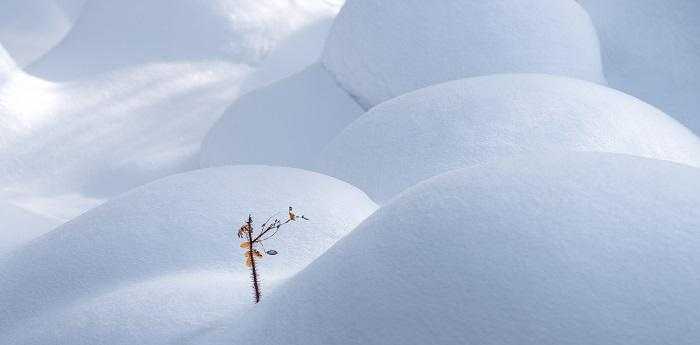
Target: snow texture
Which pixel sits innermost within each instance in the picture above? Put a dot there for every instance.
(17, 226)
(475, 120)
(7, 65)
(102, 136)
(164, 311)
(381, 49)
(114, 34)
(183, 223)
(577, 249)
(285, 124)
(30, 28)
(651, 49)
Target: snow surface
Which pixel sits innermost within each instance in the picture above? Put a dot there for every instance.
(102, 136)
(114, 34)
(582, 248)
(30, 28)
(381, 49)
(183, 223)
(7, 65)
(651, 49)
(19, 226)
(475, 120)
(166, 310)
(285, 124)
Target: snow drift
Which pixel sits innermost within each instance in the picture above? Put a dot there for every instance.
(114, 34)
(162, 311)
(651, 49)
(472, 121)
(382, 49)
(19, 225)
(182, 223)
(29, 29)
(100, 137)
(285, 124)
(582, 248)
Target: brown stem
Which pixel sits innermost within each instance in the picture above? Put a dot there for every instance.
(253, 268)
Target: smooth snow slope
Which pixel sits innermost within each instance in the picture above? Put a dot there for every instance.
(100, 137)
(185, 222)
(285, 124)
(30, 28)
(7, 65)
(18, 226)
(651, 49)
(114, 34)
(161, 311)
(563, 248)
(472, 121)
(381, 49)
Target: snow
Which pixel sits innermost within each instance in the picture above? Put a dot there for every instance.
(475, 120)
(113, 123)
(381, 49)
(565, 248)
(285, 124)
(19, 226)
(115, 34)
(7, 65)
(651, 49)
(165, 310)
(102, 136)
(184, 223)
(29, 29)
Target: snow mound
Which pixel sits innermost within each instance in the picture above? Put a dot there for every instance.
(103, 136)
(29, 29)
(161, 311)
(651, 49)
(113, 34)
(472, 121)
(19, 225)
(583, 248)
(381, 49)
(185, 222)
(285, 124)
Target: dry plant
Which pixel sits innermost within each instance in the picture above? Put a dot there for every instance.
(252, 240)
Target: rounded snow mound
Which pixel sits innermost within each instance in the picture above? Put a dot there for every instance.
(112, 34)
(651, 49)
(29, 29)
(285, 124)
(472, 121)
(381, 49)
(583, 248)
(185, 222)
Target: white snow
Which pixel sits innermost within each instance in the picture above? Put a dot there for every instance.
(285, 124)
(17, 226)
(163, 311)
(475, 120)
(30, 28)
(381, 49)
(114, 34)
(68, 146)
(525, 202)
(566, 248)
(7, 65)
(102, 136)
(651, 49)
(183, 223)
